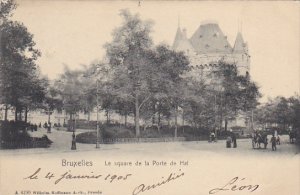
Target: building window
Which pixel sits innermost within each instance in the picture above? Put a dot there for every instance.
(216, 34)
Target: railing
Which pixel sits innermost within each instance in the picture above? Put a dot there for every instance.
(143, 140)
(25, 144)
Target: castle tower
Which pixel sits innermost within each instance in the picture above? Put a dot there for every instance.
(181, 42)
(241, 55)
(178, 38)
(206, 47)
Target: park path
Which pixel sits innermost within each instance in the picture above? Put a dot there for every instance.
(62, 144)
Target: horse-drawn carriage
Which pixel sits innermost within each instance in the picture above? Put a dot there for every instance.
(292, 136)
(258, 139)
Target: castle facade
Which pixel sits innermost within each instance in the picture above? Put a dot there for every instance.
(208, 45)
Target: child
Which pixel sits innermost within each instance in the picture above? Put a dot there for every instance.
(278, 140)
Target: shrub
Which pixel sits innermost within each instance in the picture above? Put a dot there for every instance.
(14, 135)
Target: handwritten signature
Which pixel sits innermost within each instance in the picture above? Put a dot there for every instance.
(233, 186)
(144, 187)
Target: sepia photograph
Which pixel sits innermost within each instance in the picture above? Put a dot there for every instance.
(149, 97)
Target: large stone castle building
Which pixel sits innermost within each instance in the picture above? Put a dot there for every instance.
(208, 45)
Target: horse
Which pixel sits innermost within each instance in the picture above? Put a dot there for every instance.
(259, 139)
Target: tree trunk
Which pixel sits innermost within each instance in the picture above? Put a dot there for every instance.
(5, 114)
(226, 122)
(16, 114)
(183, 121)
(158, 122)
(137, 116)
(158, 128)
(89, 116)
(26, 111)
(125, 119)
(176, 111)
(70, 123)
(153, 116)
(107, 116)
(48, 116)
(20, 115)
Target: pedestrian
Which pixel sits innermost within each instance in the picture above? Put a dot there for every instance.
(49, 127)
(273, 141)
(228, 142)
(45, 125)
(212, 136)
(233, 136)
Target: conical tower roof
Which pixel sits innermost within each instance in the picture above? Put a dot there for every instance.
(178, 38)
(239, 44)
(209, 38)
(182, 43)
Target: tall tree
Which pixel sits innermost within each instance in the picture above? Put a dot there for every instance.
(71, 89)
(20, 82)
(128, 55)
(236, 92)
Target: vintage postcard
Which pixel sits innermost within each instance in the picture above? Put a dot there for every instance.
(149, 97)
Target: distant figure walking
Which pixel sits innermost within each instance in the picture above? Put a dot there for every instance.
(233, 136)
(212, 137)
(49, 128)
(273, 142)
(45, 125)
(228, 142)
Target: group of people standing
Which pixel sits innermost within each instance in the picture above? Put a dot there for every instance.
(47, 126)
(262, 137)
(231, 140)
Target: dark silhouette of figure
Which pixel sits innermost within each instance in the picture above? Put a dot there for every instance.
(212, 137)
(278, 140)
(73, 147)
(228, 142)
(49, 128)
(273, 141)
(233, 136)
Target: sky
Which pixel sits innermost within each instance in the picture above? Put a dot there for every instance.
(72, 33)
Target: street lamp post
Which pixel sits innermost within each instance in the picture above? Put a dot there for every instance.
(97, 91)
(97, 101)
(73, 135)
(215, 110)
